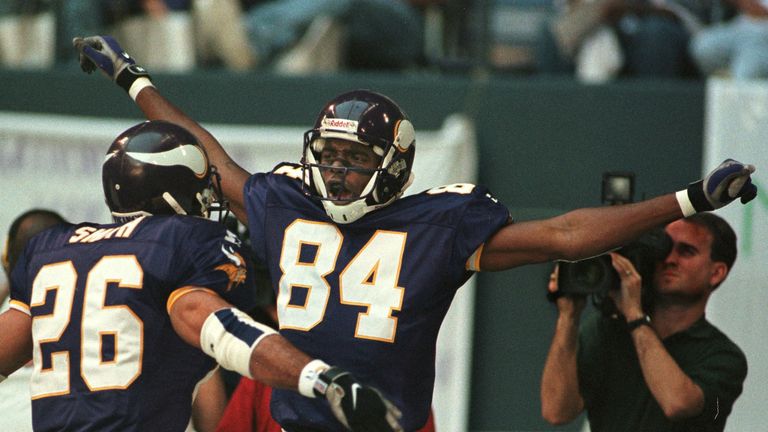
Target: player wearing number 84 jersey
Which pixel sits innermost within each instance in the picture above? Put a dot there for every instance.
(376, 289)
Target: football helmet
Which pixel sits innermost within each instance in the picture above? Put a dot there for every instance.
(155, 168)
(371, 119)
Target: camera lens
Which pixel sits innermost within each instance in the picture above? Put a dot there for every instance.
(589, 272)
(589, 276)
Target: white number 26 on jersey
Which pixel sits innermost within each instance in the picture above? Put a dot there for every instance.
(98, 321)
(370, 279)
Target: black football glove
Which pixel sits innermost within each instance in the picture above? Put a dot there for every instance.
(359, 407)
(730, 180)
(104, 53)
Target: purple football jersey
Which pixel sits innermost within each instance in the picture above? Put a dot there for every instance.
(106, 357)
(368, 296)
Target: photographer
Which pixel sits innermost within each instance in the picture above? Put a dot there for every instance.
(669, 370)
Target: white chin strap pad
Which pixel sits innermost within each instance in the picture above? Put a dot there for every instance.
(230, 336)
(344, 214)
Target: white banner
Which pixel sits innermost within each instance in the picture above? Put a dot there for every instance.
(737, 127)
(54, 162)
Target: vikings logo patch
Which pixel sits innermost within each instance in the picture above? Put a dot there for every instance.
(235, 274)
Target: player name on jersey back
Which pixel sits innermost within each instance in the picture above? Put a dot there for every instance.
(90, 234)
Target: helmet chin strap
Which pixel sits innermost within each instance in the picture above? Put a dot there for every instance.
(347, 213)
(168, 198)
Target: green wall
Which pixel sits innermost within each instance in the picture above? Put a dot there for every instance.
(543, 147)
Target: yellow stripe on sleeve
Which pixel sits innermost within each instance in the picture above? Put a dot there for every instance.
(473, 262)
(19, 306)
(177, 294)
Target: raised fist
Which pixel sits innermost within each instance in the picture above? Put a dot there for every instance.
(104, 53)
(730, 180)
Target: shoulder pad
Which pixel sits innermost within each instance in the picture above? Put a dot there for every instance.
(289, 169)
(457, 188)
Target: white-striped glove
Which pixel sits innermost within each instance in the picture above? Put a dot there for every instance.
(104, 53)
(730, 180)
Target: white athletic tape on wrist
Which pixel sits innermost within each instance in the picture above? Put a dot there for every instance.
(230, 336)
(308, 379)
(139, 85)
(685, 203)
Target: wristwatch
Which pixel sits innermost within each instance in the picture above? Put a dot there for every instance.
(644, 320)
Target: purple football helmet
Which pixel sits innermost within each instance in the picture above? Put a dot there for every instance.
(157, 167)
(371, 119)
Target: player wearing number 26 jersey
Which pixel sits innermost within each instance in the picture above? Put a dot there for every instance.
(105, 354)
(375, 290)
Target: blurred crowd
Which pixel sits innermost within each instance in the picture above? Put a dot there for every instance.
(600, 40)
(292, 36)
(592, 40)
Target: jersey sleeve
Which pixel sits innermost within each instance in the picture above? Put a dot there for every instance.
(213, 257)
(483, 216)
(20, 287)
(27, 266)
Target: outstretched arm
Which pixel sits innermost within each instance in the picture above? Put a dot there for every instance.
(238, 343)
(105, 54)
(575, 235)
(588, 232)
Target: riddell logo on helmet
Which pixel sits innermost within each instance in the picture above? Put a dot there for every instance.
(339, 124)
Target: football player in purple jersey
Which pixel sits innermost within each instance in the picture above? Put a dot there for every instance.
(124, 320)
(364, 277)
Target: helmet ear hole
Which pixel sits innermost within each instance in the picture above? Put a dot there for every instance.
(388, 185)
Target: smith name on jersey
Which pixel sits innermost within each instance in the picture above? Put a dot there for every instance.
(375, 289)
(106, 357)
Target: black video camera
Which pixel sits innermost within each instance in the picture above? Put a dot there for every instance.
(597, 275)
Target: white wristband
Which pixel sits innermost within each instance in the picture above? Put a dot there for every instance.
(309, 376)
(230, 336)
(138, 86)
(685, 203)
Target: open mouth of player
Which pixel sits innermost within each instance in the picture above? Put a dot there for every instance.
(337, 191)
(336, 183)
